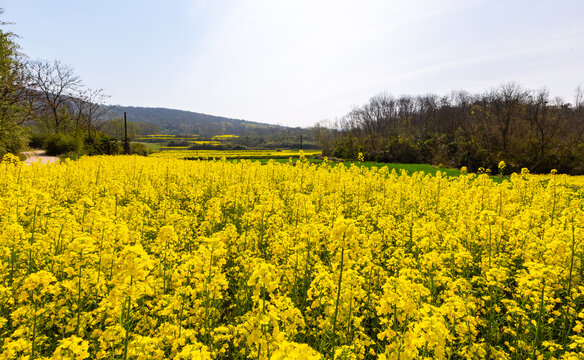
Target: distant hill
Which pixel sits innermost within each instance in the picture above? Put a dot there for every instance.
(180, 122)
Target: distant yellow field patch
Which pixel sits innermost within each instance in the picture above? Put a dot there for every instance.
(234, 154)
(160, 137)
(223, 137)
(206, 142)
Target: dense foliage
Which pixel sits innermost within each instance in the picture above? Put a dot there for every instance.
(525, 128)
(146, 258)
(14, 107)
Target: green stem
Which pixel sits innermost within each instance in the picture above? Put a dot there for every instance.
(127, 322)
(567, 313)
(207, 299)
(79, 294)
(337, 302)
(33, 348)
(180, 318)
(554, 206)
(31, 241)
(537, 341)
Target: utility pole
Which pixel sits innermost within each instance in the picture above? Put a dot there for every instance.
(126, 143)
(300, 141)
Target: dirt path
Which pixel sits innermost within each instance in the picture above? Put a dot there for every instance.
(36, 155)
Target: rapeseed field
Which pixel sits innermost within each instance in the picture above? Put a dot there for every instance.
(154, 258)
(177, 153)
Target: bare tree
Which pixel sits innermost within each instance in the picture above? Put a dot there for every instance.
(56, 84)
(505, 104)
(406, 109)
(541, 119)
(325, 133)
(455, 115)
(426, 113)
(88, 109)
(384, 109)
(374, 121)
(579, 98)
(574, 130)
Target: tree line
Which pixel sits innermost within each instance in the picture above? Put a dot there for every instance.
(525, 128)
(44, 104)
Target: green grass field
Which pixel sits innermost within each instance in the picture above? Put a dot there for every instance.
(409, 168)
(283, 156)
(151, 146)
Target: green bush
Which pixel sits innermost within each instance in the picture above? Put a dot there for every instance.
(176, 143)
(139, 149)
(61, 143)
(101, 144)
(473, 156)
(208, 147)
(400, 150)
(347, 147)
(13, 138)
(37, 141)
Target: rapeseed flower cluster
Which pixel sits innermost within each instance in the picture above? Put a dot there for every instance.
(149, 258)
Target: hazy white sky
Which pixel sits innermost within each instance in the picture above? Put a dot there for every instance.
(295, 62)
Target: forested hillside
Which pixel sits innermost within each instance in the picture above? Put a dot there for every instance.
(178, 122)
(525, 128)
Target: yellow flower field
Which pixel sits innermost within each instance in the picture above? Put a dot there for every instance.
(154, 258)
(233, 154)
